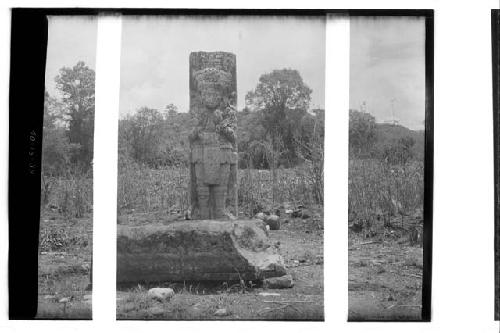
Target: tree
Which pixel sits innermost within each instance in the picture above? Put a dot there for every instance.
(170, 110)
(310, 143)
(281, 98)
(362, 133)
(144, 134)
(56, 149)
(77, 87)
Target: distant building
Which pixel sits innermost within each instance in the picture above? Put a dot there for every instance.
(393, 122)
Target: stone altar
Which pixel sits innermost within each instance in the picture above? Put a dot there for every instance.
(214, 244)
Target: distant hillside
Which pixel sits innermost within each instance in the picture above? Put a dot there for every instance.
(387, 133)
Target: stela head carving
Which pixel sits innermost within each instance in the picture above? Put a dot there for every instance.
(212, 81)
(213, 84)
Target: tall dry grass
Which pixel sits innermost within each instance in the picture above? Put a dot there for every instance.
(380, 190)
(143, 189)
(69, 195)
(293, 186)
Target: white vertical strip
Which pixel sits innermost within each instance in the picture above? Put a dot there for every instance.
(4, 160)
(105, 167)
(463, 260)
(336, 167)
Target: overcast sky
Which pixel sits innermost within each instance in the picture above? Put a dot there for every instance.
(388, 63)
(387, 58)
(155, 55)
(70, 40)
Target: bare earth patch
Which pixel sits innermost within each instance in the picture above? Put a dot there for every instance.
(64, 268)
(385, 280)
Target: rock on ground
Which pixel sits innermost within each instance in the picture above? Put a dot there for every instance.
(156, 310)
(221, 313)
(260, 216)
(161, 294)
(273, 221)
(280, 282)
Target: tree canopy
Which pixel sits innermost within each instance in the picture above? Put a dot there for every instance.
(77, 88)
(281, 99)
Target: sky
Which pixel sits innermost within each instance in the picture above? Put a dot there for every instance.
(387, 63)
(70, 40)
(387, 68)
(155, 55)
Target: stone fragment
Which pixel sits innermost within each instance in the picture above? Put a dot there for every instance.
(302, 213)
(281, 282)
(273, 221)
(221, 313)
(306, 214)
(161, 294)
(260, 216)
(197, 250)
(269, 294)
(156, 310)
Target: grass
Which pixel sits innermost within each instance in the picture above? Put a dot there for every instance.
(64, 266)
(70, 196)
(142, 189)
(379, 191)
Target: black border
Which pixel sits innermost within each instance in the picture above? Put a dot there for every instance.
(429, 168)
(495, 63)
(227, 11)
(27, 85)
(26, 98)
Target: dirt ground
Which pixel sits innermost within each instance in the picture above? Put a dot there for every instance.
(385, 277)
(64, 276)
(64, 268)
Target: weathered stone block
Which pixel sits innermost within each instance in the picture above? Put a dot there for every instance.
(280, 282)
(197, 250)
(273, 221)
(161, 294)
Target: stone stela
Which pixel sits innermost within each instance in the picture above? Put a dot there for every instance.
(214, 244)
(213, 157)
